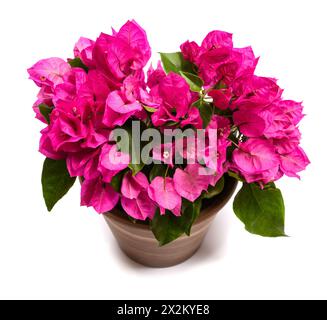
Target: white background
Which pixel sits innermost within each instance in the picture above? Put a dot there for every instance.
(71, 253)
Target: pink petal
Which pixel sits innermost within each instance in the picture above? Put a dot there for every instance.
(112, 159)
(162, 191)
(98, 195)
(294, 162)
(250, 124)
(190, 183)
(49, 72)
(133, 185)
(255, 155)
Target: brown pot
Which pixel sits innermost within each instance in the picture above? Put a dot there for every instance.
(138, 242)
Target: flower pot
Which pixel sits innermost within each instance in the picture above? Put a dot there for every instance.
(139, 243)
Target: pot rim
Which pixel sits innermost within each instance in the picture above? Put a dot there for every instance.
(215, 205)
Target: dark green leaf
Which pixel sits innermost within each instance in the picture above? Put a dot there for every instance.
(214, 191)
(262, 211)
(191, 211)
(158, 170)
(116, 181)
(45, 110)
(166, 228)
(56, 181)
(175, 62)
(206, 112)
(77, 63)
(193, 80)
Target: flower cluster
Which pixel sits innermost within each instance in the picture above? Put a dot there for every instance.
(211, 86)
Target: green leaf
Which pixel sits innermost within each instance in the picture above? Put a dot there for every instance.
(149, 109)
(214, 191)
(116, 181)
(191, 212)
(206, 111)
(262, 211)
(193, 80)
(166, 228)
(77, 63)
(158, 170)
(175, 62)
(45, 110)
(56, 181)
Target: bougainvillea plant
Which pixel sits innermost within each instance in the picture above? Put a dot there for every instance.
(154, 144)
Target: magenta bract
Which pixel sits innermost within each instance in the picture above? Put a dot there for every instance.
(105, 85)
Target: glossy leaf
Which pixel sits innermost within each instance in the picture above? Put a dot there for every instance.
(45, 110)
(56, 181)
(166, 228)
(193, 80)
(261, 210)
(175, 62)
(77, 63)
(206, 111)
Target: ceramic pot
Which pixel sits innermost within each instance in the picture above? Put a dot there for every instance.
(138, 242)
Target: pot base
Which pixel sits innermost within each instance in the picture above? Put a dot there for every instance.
(139, 243)
(142, 247)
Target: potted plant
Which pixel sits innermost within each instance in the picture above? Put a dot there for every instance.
(160, 153)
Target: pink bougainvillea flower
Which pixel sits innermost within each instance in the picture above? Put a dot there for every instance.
(83, 164)
(256, 158)
(136, 39)
(255, 91)
(46, 148)
(246, 60)
(249, 123)
(221, 124)
(241, 62)
(193, 118)
(125, 103)
(216, 159)
(99, 195)
(141, 208)
(278, 122)
(190, 51)
(163, 193)
(294, 110)
(175, 98)
(135, 200)
(49, 72)
(71, 87)
(217, 39)
(123, 53)
(119, 110)
(294, 162)
(164, 153)
(112, 161)
(255, 155)
(289, 142)
(155, 76)
(83, 49)
(221, 98)
(133, 185)
(66, 132)
(175, 93)
(190, 183)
